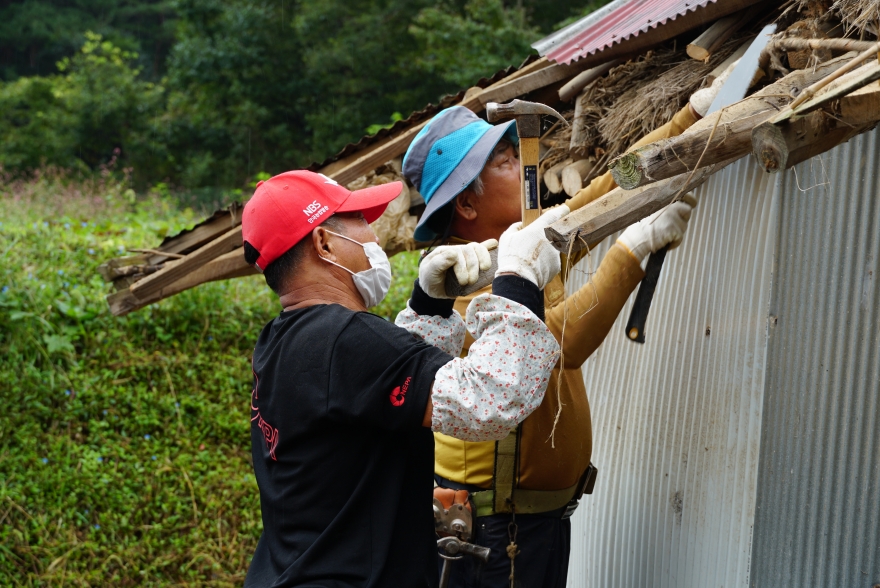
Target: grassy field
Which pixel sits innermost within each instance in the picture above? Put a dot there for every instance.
(124, 442)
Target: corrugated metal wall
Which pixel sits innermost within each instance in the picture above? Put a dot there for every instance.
(677, 420)
(770, 308)
(818, 521)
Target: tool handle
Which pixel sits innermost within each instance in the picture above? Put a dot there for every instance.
(635, 326)
(477, 551)
(529, 150)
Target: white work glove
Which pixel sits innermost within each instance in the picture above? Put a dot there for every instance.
(467, 261)
(664, 227)
(527, 253)
(701, 100)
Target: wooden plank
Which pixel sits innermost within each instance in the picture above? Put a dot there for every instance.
(732, 133)
(174, 270)
(620, 208)
(861, 106)
(227, 266)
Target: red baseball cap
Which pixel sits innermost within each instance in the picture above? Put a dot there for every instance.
(286, 207)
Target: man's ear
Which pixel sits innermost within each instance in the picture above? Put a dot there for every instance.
(322, 244)
(466, 205)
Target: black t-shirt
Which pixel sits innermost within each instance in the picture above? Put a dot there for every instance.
(344, 466)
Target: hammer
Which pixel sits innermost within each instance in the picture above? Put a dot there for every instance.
(528, 129)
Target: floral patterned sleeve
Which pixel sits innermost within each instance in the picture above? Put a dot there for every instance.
(447, 334)
(483, 396)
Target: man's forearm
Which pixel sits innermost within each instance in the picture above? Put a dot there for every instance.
(433, 320)
(484, 395)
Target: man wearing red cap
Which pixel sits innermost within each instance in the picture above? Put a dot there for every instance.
(344, 403)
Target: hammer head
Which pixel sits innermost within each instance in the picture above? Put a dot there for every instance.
(516, 108)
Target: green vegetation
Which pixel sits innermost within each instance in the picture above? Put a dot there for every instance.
(125, 444)
(203, 94)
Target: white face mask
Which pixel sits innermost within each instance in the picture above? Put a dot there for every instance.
(373, 283)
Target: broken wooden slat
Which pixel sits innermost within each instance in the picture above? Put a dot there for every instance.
(108, 269)
(732, 133)
(227, 266)
(200, 234)
(808, 93)
(620, 208)
(174, 270)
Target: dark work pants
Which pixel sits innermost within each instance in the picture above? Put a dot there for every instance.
(544, 544)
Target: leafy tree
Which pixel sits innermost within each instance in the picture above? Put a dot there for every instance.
(359, 67)
(97, 109)
(461, 47)
(34, 34)
(235, 85)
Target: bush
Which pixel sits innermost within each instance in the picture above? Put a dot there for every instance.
(95, 110)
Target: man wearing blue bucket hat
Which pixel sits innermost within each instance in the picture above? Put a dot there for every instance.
(468, 172)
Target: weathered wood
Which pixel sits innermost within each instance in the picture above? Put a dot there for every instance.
(553, 176)
(174, 270)
(732, 133)
(809, 92)
(712, 38)
(574, 174)
(573, 87)
(109, 269)
(529, 83)
(620, 208)
(861, 106)
(799, 44)
(577, 142)
(199, 235)
(845, 84)
(227, 266)
(777, 147)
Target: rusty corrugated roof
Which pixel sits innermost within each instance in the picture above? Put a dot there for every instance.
(614, 24)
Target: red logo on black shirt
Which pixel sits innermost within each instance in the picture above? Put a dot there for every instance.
(398, 395)
(269, 432)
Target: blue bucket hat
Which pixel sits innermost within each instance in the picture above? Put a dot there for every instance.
(447, 155)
